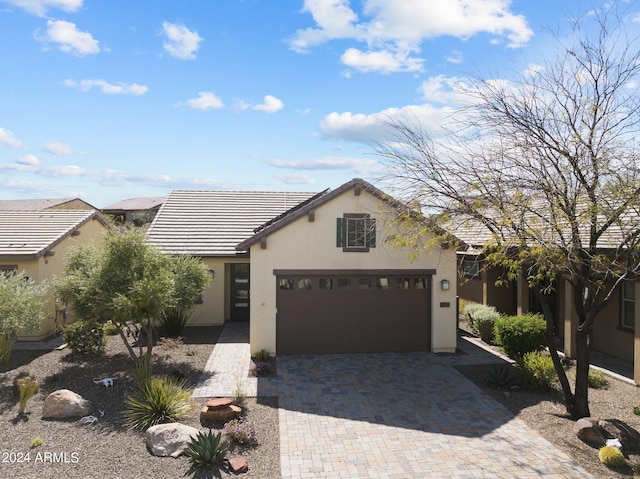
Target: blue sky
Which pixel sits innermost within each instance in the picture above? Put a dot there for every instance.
(107, 100)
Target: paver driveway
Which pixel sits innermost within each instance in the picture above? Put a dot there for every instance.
(404, 415)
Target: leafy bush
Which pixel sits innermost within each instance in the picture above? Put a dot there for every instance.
(159, 400)
(481, 319)
(240, 431)
(207, 449)
(110, 329)
(597, 379)
(85, 337)
(174, 320)
(636, 410)
(502, 376)
(611, 456)
(537, 371)
(519, 335)
(26, 387)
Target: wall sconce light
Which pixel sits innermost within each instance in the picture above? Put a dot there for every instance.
(211, 273)
(444, 285)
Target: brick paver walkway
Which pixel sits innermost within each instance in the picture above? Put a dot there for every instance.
(402, 415)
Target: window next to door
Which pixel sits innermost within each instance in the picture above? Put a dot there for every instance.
(356, 232)
(628, 306)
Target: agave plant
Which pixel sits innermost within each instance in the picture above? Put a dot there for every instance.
(207, 449)
(502, 376)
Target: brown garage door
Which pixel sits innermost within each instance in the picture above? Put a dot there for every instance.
(348, 312)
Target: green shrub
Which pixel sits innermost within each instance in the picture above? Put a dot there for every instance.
(611, 456)
(173, 320)
(481, 319)
(159, 400)
(597, 379)
(502, 376)
(537, 371)
(35, 442)
(636, 410)
(207, 449)
(85, 337)
(26, 387)
(519, 335)
(110, 329)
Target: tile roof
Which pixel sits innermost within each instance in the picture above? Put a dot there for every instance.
(33, 233)
(136, 204)
(33, 204)
(212, 223)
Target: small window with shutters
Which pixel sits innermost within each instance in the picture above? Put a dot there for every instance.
(356, 232)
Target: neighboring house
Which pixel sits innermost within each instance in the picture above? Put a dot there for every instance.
(614, 330)
(138, 211)
(313, 273)
(36, 242)
(45, 204)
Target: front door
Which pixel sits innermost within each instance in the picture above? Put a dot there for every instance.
(240, 291)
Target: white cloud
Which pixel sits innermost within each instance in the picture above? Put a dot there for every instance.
(57, 148)
(69, 38)
(40, 7)
(28, 159)
(445, 90)
(359, 165)
(371, 128)
(394, 29)
(7, 139)
(107, 88)
(206, 101)
(271, 104)
(180, 42)
(532, 69)
(384, 61)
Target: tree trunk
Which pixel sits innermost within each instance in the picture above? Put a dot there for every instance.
(148, 328)
(123, 336)
(581, 390)
(567, 394)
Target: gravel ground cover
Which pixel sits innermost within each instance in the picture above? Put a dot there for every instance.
(545, 412)
(105, 449)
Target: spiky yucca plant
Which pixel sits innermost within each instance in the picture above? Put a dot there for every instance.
(207, 449)
(611, 456)
(502, 376)
(158, 400)
(27, 387)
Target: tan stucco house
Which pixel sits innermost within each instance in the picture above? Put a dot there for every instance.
(139, 210)
(36, 242)
(313, 272)
(614, 331)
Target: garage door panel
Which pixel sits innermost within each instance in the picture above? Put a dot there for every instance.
(353, 320)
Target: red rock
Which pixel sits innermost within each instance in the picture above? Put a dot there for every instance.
(220, 413)
(219, 402)
(238, 464)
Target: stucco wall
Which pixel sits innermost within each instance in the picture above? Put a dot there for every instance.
(312, 245)
(46, 268)
(607, 337)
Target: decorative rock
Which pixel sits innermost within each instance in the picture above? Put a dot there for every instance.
(169, 439)
(220, 414)
(238, 464)
(63, 403)
(589, 432)
(616, 429)
(218, 403)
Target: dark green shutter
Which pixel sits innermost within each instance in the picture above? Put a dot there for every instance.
(341, 232)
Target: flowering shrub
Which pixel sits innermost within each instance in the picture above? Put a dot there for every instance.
(261, 368)
(240, 431)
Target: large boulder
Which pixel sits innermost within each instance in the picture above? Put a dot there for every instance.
(616, 429)
(63, 403)
(589, 431)
(169, 439)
